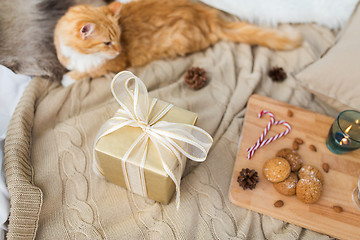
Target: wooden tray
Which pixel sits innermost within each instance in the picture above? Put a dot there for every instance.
(339, 181)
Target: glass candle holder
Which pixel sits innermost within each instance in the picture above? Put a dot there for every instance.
(344, 133)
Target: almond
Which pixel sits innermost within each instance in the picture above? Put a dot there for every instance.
(338, 209)
(279, 203)
(295, 146)
(312, 148)
(299, 141)
(290, 113)
(326, 167)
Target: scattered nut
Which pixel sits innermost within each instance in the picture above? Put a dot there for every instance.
(312, 148)
(299, 141)
(295, 146)
(337, 209)
(326, 167)
(290, 113)
(279, 203)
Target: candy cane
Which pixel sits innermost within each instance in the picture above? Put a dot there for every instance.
(261, 142)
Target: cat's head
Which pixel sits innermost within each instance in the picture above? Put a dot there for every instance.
(90, 30)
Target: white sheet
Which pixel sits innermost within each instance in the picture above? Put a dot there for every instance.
(11, 88)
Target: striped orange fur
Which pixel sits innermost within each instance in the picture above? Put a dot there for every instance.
(92, 41)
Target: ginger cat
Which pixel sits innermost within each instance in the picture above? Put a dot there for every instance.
(92, 41)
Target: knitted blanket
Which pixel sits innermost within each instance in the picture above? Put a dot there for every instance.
(48, 151)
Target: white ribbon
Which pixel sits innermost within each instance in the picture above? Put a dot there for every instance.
(169, 138)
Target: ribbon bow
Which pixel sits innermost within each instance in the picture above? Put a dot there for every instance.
(169, 138)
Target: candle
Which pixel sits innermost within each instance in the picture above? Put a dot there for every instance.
(343, 138)
(344, 134)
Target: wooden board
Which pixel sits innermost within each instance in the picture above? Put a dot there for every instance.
(339, 181)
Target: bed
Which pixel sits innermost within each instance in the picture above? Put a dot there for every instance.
(54, 193)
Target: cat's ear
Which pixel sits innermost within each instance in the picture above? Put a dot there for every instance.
(86, 30)
(115, 8)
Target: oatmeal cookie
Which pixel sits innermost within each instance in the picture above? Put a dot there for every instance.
(292, 156)
(308, 170)
(309, 189)
(288, 186)
(276, 169)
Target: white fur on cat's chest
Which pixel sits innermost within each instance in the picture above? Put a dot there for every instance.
(82, 62)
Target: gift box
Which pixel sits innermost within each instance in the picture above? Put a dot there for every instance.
(145, 145)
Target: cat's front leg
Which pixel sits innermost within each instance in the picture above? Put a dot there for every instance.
(120, 63)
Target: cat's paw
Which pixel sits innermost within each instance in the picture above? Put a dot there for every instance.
(67, 80)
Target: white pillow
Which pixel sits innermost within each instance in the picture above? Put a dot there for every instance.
(333, 14)
(335, 77)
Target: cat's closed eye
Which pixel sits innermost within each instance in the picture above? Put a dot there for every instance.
(107, 43)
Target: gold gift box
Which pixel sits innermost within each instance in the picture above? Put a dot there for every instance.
(110, 149)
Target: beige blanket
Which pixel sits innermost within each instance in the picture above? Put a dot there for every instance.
(48, 153)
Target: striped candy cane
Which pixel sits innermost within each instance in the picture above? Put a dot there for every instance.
(261, 142)
(266, 130)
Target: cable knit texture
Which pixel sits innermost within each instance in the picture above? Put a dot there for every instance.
(48, 153)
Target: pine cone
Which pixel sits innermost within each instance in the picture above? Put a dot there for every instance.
(248, 178)
(195, 78)
(277, 74)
